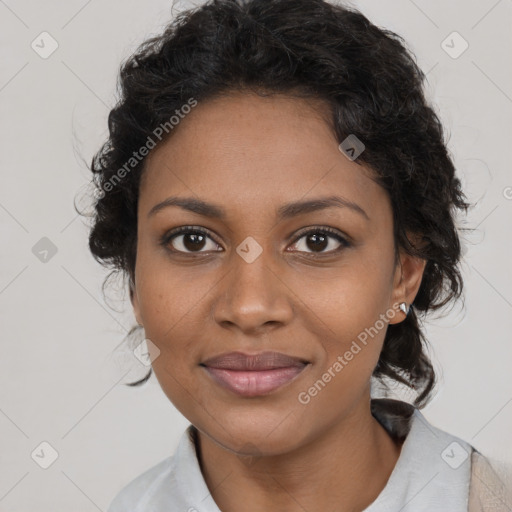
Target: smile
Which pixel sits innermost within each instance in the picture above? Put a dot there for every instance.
(253, 375)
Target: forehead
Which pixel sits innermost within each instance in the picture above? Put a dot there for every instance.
(247, 152)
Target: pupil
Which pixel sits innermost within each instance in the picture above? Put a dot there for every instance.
(196, 240)
(319, 241)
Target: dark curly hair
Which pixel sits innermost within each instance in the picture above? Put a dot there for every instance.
(304, 48)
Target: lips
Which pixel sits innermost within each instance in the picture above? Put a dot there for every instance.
(261, 361)
(253, 375)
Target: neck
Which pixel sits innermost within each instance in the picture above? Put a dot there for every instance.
(344, 468)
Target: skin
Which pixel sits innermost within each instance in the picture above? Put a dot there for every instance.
(250, 155)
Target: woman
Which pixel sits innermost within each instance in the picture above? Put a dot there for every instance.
(278, 192)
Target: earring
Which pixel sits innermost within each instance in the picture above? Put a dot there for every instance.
(403, 308)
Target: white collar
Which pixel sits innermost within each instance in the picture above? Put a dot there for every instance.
(432, 473)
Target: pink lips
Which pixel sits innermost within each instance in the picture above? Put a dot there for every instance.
(253, 375)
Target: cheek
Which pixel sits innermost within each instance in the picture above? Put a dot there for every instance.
(347, 314)
(171, 303)
(348, 300)
(351, 334)
(169, 295)
(174, 379)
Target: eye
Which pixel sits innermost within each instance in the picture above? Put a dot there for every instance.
(319, 239)
(189, 239)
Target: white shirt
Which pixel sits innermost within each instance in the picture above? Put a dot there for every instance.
(432, 473)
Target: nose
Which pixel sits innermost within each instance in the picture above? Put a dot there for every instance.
(253, 297)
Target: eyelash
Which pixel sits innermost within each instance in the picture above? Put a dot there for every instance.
(169, 236)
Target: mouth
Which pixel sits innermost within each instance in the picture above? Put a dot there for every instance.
(254, 375)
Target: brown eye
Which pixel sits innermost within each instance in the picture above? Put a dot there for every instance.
(320, 241)
(188, 240)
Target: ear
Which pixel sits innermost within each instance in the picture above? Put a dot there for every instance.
(135, 302)
(406, 282)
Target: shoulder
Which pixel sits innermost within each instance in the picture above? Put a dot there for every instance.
(491, 485)
(134, 496)
(173, 483)
(434, 468)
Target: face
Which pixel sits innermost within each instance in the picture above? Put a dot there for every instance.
(254, 271)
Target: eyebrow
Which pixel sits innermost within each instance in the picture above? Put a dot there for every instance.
(284, 212)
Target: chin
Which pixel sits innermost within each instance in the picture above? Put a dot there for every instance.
(254, 432)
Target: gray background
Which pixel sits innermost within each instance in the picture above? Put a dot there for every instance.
(60, 377)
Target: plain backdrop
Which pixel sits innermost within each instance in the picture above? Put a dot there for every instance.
(61, 379)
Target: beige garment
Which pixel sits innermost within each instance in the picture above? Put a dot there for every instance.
(490, 490)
